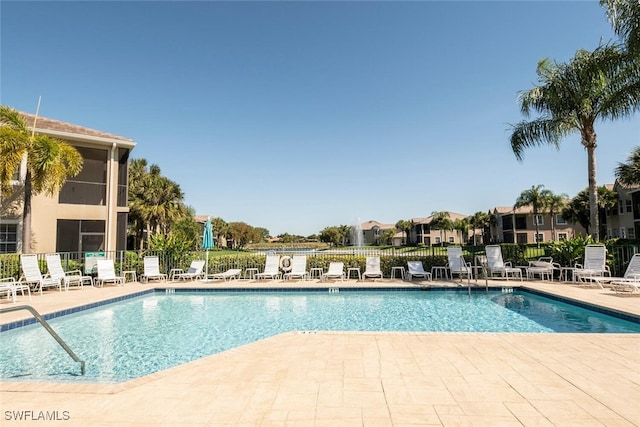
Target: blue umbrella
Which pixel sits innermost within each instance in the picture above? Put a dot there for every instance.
(207, 244)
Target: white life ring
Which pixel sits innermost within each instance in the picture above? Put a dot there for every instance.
(285, 263)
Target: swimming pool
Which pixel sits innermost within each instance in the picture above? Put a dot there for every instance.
(154, 332)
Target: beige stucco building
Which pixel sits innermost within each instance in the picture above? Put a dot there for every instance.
(506, 221)
(623, 220)
(90, 211)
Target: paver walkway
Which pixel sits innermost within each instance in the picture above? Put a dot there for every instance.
(377, 379)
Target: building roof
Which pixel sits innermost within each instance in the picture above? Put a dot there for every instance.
(68, 131)
(452, 216)
(368, 225)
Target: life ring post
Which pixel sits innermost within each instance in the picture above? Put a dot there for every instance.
(285, 263)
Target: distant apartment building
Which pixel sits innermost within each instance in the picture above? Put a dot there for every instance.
(623, 219)
(511, 225)
(90, 212)
(421, 232)
(424, 234)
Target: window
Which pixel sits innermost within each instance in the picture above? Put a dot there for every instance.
(8, 238)
(623, 235)
(632, 233)
(89, 187)
(80, 236)
(621, 206)
(437, 240)
(629, 206)
(539, 237)
(560, 220)
(538, 220)
(563, 236)
(451, 239)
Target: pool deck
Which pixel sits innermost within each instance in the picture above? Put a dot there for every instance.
(359, 378)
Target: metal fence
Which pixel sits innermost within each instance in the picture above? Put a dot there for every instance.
(352, 257)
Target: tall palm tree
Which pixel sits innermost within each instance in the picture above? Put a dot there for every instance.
(597, 85)
(462, 226)
(405, 226)
(479, 220)
(49, 162)
(536, 196)
(441, 221)
(629, 173)
(624, 16)
(554, 204)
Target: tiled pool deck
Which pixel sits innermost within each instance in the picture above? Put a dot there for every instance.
(354, 379)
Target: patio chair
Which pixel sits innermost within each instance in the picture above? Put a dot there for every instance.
(298, 268)
(194, 272)
(496, 265)
(543, 267)
(595, 264)
(31, 275)
(10, 287)
(152, 270)
(457, 264)
(336, 271)
(629, 281)
(233, 273)
(271, 268)
(107, 273)
(372, 268)
(416, 269)
(69, 278)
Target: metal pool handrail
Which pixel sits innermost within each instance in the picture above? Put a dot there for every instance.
(49, 329)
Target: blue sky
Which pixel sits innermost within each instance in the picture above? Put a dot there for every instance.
(295, 116)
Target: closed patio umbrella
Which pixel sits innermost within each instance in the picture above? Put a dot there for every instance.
(207, 244)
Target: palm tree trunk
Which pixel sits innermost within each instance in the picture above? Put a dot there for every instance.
(535, 220)
(589, 141)
(26, 215)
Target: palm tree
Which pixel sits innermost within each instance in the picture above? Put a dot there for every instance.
(405, 226)
(155, 202)
(536, 196)
(479, 220)
(441, 221)
(49, 163)
(598, 85)
(629, 173)
(461, 225)
(624, 16)
(554, 204)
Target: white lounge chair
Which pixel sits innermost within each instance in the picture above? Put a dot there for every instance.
(543, 267)
(7, 286)
(271, 268)
(298, 268)
(233, 273)
(69, 278)
(416, 269)
(595, 264)
(10, 287)
(107, 273)
(457, 264)
(630, 281)
(372, 268)
(336, 271)
(194, 272)
(496, 265)
(152, 270)
(32, 276)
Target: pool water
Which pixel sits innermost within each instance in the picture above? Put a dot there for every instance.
(147, 334)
